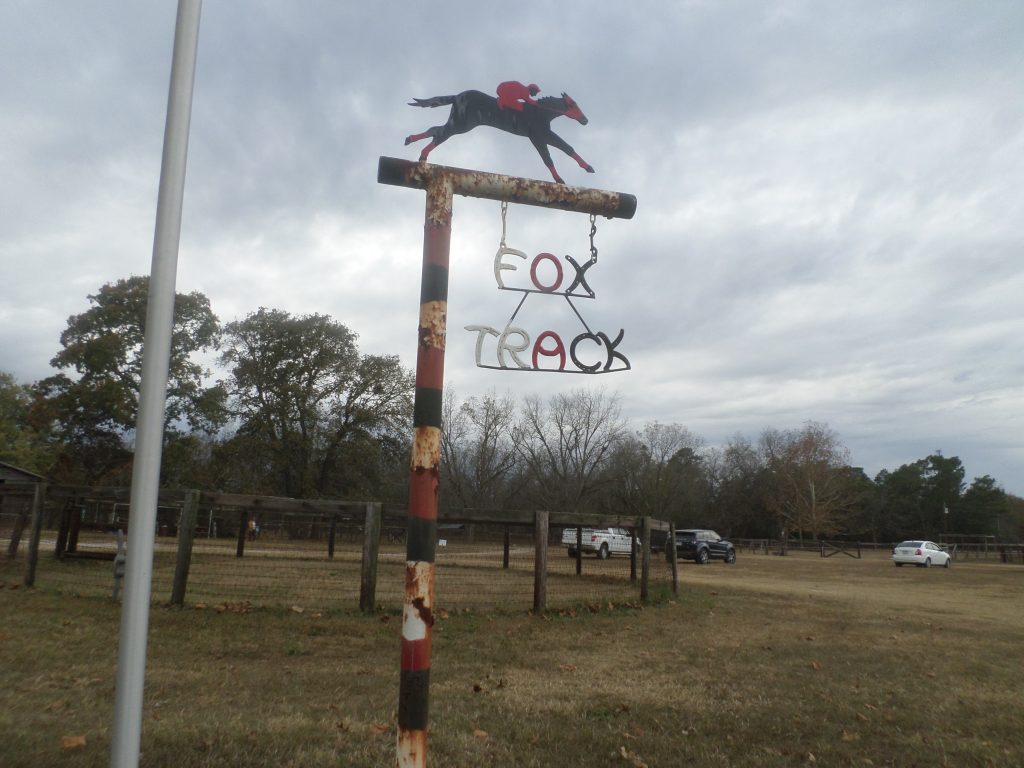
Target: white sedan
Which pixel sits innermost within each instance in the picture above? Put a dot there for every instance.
(923, 554)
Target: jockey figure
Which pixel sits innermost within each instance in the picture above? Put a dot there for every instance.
(513, 94)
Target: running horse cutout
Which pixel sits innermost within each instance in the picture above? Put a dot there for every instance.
(473, 108)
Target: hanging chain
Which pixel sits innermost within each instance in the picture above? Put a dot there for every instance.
(593, 231)
(504, 212)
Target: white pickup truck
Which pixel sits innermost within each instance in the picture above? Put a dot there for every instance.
(600, 541)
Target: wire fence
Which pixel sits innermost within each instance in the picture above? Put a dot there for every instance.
(262, 555)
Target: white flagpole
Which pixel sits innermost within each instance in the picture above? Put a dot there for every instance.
(131, 654)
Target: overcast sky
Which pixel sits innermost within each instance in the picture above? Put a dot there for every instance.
(829, 227)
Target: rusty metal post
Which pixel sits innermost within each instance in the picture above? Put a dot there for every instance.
(421, 542)
(441, 183)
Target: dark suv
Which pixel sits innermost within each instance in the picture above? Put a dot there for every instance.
(701, 545)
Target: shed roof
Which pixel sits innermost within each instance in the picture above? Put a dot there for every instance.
(9, 472)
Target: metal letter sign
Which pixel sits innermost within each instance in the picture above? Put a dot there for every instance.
(520, 114)
(588, 352)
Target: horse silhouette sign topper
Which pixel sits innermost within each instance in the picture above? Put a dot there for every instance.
(514, 110)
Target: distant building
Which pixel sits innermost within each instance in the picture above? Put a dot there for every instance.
(10, 475)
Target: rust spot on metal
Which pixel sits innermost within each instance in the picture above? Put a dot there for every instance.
(419, 583)
(433, 324)
(426, 449)
(412, 749)
(494, 186)
(439, 197)
(424, 611)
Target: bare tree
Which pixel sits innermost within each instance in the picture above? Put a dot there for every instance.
(478, 449)
(809, 483)
(566, 443)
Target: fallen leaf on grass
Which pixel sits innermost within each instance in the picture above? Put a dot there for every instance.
(816, 666)
(72, 742)
(848, 736)
(297, 609)
(632, 757)
(380, 727)
(863, 718)
(567, 667)
(481, 734)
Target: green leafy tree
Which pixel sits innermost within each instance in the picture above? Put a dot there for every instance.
(315, 418)
(1011, 524)
(944, 484)
(22, 442)
(739, 491)
(982, 507)
(901, 492)
(659, 471)
(93, 399)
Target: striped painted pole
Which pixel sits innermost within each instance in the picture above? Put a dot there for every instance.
(440, 183)
(417, 614)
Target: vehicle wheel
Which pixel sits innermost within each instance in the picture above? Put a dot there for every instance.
(730, 557)
(927, 562)
(948, 559)
(702, 557)
(602, 553)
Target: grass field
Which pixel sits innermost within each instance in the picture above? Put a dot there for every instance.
(771, 662)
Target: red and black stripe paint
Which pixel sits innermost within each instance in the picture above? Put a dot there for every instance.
(424, 473)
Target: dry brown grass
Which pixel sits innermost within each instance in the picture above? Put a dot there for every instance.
(772, 662)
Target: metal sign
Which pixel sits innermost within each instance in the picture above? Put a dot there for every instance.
(441, 185)
(587, 352)
(514, 110)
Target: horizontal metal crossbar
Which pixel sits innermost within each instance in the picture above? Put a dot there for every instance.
(512, 189)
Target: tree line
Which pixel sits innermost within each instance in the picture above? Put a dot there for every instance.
(300, 412)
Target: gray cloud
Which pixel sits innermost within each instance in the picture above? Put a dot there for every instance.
(829, 194)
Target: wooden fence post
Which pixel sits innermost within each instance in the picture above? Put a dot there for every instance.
(579, 550)
(75, 528)
(371, 547)
(62, 529)
(632, 555)
(243, 530)
(186, 534)
(19, 528)
(645, 560)
(330, 536)
(670, 547)
(540, 561)
(505, 549)
(38, 504)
